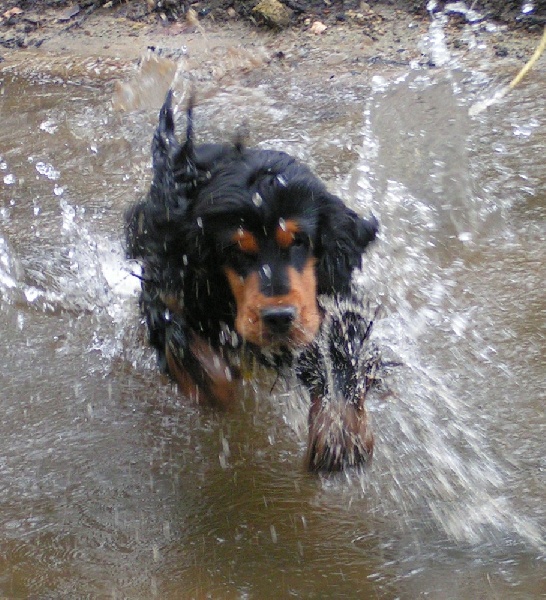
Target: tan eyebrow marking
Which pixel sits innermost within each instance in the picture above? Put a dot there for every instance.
(246, 241)
(286, 232)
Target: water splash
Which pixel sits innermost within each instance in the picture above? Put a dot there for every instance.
(460, 8)
(89, 273)
(436, 462)
(95, 276)
(13, 289)
(10, 269)
(434, 43)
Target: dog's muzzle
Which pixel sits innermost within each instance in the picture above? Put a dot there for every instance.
(278, 320)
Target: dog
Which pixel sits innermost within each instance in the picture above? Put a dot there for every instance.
(237, 245)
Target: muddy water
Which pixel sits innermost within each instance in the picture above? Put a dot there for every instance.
(112, 485)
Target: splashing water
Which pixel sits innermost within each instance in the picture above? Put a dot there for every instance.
(91, 272)
(434, 43)
(437, 457)
(104, 465)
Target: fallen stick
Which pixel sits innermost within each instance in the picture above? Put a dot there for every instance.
(482, 105)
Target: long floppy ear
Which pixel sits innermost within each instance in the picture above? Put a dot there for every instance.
(173, 163)
(152, 226)
(342, 238)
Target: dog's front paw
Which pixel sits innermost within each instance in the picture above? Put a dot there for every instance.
(339, 436)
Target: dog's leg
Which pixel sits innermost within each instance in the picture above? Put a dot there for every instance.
(339, 369)
(339, 435)
(201, 372)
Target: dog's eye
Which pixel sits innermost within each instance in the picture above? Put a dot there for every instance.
(301, 240)
(298, 248)
(289, 236)
(246, 242)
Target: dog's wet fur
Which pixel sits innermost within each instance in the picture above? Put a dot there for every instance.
(236, 246)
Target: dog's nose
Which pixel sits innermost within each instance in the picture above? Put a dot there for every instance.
(278, 319)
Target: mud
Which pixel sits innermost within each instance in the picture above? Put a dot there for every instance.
(221, 37)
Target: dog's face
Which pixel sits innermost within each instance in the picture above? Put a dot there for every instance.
(272, 278)
(269, 265)
(271, 224)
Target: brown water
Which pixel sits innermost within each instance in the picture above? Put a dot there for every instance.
(113, 486)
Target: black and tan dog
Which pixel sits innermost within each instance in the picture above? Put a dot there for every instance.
(236, 247)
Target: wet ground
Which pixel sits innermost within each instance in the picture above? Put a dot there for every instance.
(112, 485)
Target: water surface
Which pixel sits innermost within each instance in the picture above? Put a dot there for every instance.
(113, 485)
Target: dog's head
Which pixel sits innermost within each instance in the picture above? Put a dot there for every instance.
(280, 239)
(254, 230)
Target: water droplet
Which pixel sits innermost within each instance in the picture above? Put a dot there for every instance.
(459, 324)
(225, 447)
(282, 224)
(9, 179)
(257, 199)
(500, 148)
(266, 270)
(31, 293)
(379, 83)
(523, 130)
(58, 190)
(48, 126)
(48, 170)
(69, 214)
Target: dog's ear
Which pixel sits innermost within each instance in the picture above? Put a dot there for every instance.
(186, 173)
(174, 167)
(153, 225)
(342, 238)
(164, 139)
(164, 146)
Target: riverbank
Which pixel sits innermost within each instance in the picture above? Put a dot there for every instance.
(49, 39)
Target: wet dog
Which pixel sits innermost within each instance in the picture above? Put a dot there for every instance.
(236, 246)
